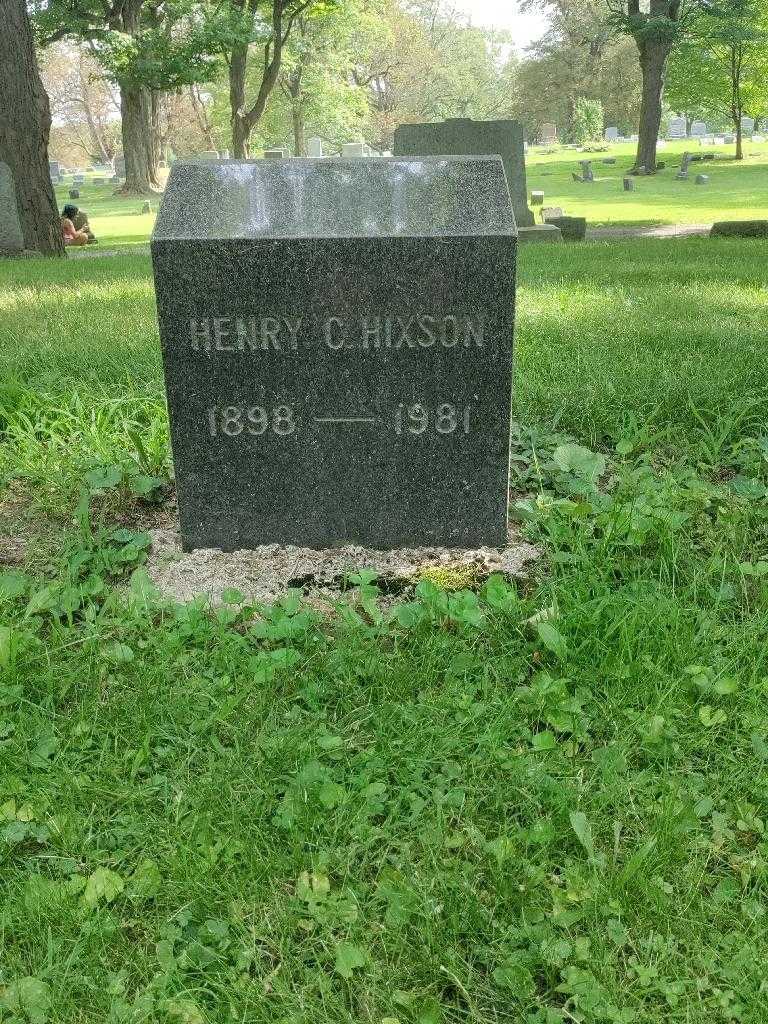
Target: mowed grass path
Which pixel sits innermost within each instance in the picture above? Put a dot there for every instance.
(535, 805)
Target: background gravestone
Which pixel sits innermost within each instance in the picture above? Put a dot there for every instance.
(678, 128)
(337, 345)
(459, 136)
(611, 134)
(11, 236)
(355, 149)
(548, 134)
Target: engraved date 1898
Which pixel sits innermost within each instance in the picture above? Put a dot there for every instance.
(255, 420)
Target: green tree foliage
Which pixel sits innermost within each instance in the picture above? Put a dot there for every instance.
(315, 93)
(657, 27)
(580, 56)
(587, 121)
(428, 62)
(721, 70)
(146, 47)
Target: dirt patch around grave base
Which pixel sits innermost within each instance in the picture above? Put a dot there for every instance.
(265, 573)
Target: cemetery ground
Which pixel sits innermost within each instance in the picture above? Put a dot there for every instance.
(541, 803)
(736, 191)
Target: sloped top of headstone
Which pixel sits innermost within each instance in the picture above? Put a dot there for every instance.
(338, 198)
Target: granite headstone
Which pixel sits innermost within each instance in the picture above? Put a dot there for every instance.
(337, 345)
(459, 136)
(678, 128)
(548, 134)
(611, 134)
(11, 236)
(315, 147)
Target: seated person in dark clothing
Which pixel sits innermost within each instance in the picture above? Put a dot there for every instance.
(79, 220)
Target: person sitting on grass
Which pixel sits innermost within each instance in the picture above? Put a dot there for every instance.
(75, 226)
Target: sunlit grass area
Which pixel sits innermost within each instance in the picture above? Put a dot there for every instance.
(541, 803)
(737, 190)
(116, 220)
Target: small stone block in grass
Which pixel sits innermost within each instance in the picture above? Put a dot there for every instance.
(573, 229)
(539, 233)
(740, 229)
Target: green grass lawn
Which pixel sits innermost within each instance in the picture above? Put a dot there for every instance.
(736, 191)
(543, 804)
(116, 220)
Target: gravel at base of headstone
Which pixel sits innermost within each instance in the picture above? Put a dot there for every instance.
(740, 229)
(265, 573)
(573, 229)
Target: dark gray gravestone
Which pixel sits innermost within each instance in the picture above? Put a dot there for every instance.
(337, 344)
(11, 236)
(461, 136)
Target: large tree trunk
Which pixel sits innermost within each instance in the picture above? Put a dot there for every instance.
(296, 97)
(139, 148)
(240, 131)
(25, 124)
(297, 116)
(653, 62)
(739, 137)
(243, 120)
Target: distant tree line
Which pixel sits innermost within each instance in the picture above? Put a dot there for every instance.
(147, 77)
